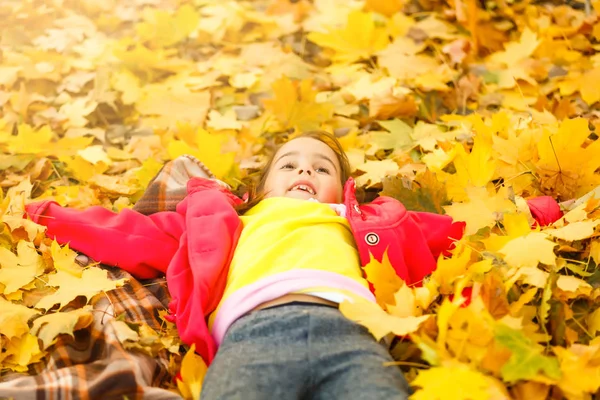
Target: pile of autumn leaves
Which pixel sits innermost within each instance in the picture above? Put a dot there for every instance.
(390, 84)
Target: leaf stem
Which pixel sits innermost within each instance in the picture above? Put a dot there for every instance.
(407, 363)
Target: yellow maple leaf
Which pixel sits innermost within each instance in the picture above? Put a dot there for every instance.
(114, 184)
(444, 314)
(294, 105)
(379, 322)
(137, 57)
(82, 169)
(64, 259)
(22, 351)
(93, 281)
(13, 210)
(193, 370)
(375, 171)
(580, 369)
(515, 225)
(18, 270)
(164, 29)
(207, 148)
(166, 106)
(406, 303)
(384, 278)
(218, 121)
(76, 110)
(48, 327)
(359, 39)
(14, 318)
(150, 167)
(514, 155)
(128, 84)
(517, 51)
(565, 166)
(27, 141)
(453, 381)
(449, 269)
(482, 210)
(385, 7)
(397, 137)
(593, 321)
(95, 155)
(401, 61)
(581, 83)
(529, 250)
(474, 169)
(574, 231)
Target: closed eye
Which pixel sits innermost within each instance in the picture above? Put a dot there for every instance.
(323, 169)
(287, 166)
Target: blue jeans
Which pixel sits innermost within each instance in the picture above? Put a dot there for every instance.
(301, 351)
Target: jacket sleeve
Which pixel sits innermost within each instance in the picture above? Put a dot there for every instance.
(141, 245)
(440, 231)
(544, 209)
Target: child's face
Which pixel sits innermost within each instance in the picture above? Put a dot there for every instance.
(309, 163)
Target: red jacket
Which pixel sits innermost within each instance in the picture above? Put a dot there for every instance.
(194, 245)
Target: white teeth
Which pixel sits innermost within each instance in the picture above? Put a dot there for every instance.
(305, 188)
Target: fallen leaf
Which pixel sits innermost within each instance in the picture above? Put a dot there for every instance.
(452, 381)
(375, 171)
(359, 39)
(527, 360)
(379, 322)
(574, 231)
(449, 269)
(294, 105)
(580, 370)
(482, 210)
(18, 270)
(384, 278)
(515, 225)
(193, 370)
(517, 51)
(14, 318)
(48, 327)
(92, 282)
(565, 166)
(22, 351)
(426, 193)
(518, 251)
(64, 259)
(207, 147)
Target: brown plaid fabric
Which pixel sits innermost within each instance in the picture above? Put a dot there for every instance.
(94, 364)
(169, 186)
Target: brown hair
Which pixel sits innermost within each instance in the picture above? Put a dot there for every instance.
(255, 189)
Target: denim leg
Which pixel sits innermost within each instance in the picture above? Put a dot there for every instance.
(263, 356)
(347, 363)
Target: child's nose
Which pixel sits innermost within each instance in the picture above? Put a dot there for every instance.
(307, 171)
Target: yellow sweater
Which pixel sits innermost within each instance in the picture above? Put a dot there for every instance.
(291, 246)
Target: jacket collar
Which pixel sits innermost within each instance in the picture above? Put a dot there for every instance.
(349, 192)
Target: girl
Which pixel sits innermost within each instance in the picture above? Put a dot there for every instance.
(263, 287)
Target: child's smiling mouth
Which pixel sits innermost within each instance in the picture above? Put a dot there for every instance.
(304, 186)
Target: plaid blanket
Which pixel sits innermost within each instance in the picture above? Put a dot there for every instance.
(169, 186)
(95, 364)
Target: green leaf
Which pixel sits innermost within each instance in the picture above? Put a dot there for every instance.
(427, 193)
(527, 359)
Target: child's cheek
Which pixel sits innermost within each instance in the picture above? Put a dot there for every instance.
(331, 195)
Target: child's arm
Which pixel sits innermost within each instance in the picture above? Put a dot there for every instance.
(142, 245)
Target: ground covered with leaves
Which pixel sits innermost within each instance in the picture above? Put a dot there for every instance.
(462, 107)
